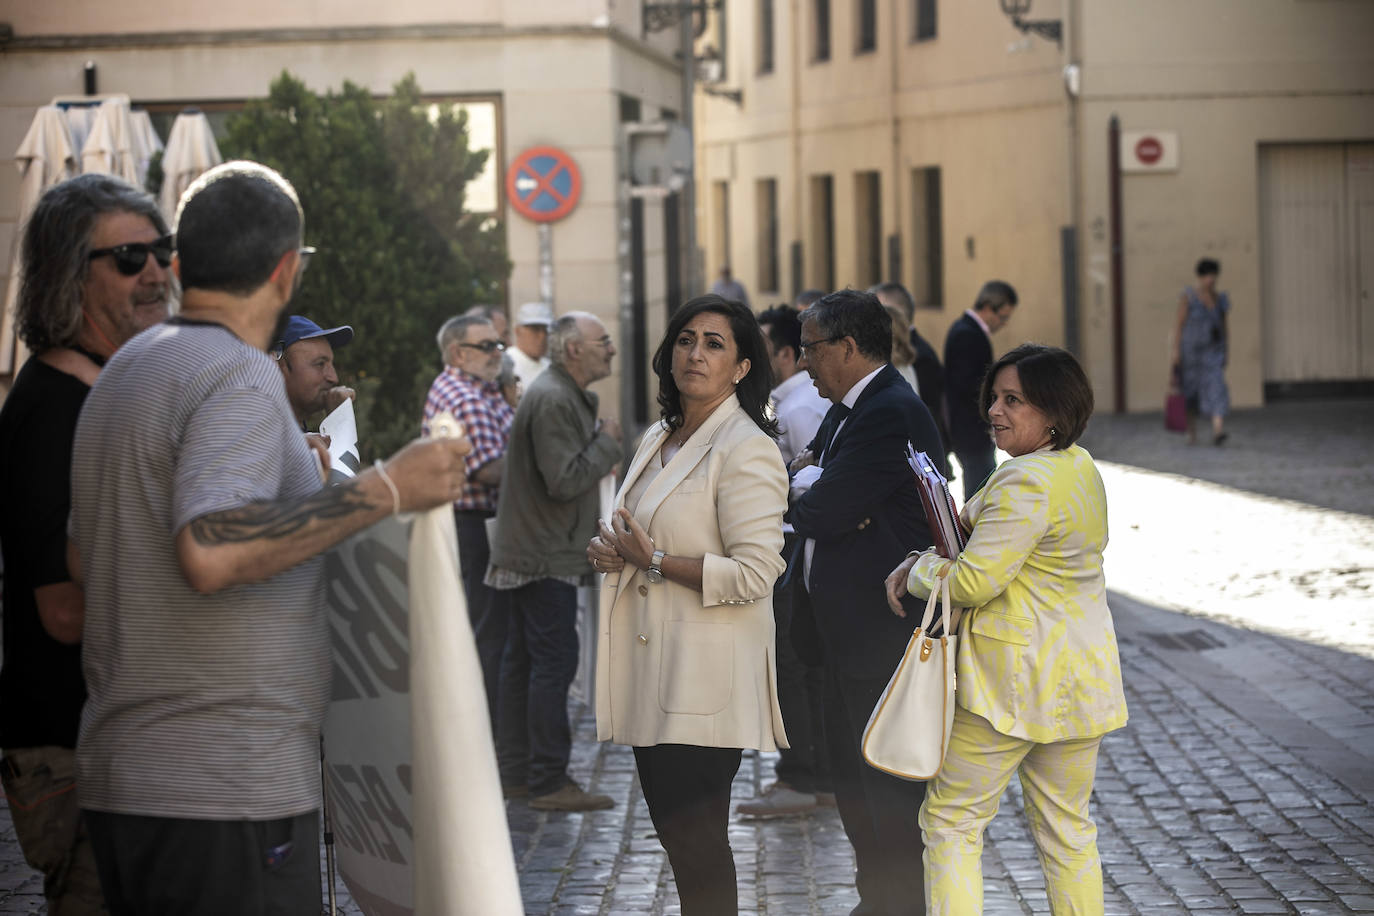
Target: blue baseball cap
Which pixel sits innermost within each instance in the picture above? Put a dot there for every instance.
(299, 328)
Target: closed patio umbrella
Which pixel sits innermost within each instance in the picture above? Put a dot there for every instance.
(191, 150)
(112, 147)
(146, 144)
(46, 156)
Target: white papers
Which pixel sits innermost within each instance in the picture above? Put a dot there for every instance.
(342, 429)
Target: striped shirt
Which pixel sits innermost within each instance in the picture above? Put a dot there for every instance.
(486, 418)
(200, 706)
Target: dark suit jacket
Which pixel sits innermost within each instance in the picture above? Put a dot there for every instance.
(930, 375)
(865, 477)
(968, 354)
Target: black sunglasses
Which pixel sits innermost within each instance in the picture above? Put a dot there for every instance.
(130, 259)
(486, 346)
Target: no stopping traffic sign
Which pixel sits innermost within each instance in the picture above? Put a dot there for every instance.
(543, 184)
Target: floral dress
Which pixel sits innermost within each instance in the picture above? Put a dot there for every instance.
(1202, 355)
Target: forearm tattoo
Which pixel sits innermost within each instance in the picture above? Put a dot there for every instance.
(275, 520)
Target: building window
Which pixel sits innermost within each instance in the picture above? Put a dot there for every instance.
(822, 267)
(927, 232)
(820, 25)
(720, 213)
(922, 20)
(866, 29)
(766, 218)
(868, 228)
(765, 36)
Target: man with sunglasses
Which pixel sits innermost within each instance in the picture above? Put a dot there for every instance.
(467, 388)
(305, 355)
(95, 266)
(198, 522)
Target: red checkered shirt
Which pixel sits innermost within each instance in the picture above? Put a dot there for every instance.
(486, 418)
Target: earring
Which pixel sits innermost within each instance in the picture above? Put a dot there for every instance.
(1054, 433)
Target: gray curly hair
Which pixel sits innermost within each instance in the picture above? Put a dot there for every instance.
(57, 254)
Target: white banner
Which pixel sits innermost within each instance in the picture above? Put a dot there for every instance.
(413, 790)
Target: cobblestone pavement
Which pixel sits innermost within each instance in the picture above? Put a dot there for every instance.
(1244, 782)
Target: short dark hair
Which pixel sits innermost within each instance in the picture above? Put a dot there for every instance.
(1053, 382)
(857, 314)
(57, 253)
(784, 327)
(753, 390)
(994, 295)
(234, 224)
(1208, 267)
(898, 293)
(807, 297)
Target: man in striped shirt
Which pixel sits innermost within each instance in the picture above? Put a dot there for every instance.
(198, 520)
(467, 389)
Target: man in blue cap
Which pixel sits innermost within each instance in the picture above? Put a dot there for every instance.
(305, 355)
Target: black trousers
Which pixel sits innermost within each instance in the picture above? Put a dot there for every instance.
(688, 792)
(165, 866)
(879, 812)
(489, 623)
(805, 766)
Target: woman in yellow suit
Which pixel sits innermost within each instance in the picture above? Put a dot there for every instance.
(1039, 678)
(685, 664)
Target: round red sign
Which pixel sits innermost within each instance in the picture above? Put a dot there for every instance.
(1149, 150)
(543, 184)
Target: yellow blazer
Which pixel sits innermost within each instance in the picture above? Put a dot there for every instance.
(1038, 656)
(676, 666)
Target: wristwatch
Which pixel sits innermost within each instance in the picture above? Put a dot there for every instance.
(655, 571)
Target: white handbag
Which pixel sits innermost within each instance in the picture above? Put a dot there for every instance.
(908, 733)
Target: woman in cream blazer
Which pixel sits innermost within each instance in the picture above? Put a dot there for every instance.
(1038, 675)
(685, 664)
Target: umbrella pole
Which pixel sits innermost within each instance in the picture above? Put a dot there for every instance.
(328, 836)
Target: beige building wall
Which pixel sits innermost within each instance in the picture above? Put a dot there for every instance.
(1227, 78)
(558, 71)
(989, 116)
(1020, 156)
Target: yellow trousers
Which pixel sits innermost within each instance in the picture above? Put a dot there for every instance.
(1056, 781)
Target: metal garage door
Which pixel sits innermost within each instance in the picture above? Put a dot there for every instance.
(1317, 248)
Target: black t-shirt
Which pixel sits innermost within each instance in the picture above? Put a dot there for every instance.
(41, 687)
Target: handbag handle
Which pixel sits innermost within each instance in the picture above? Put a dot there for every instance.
(939, 593)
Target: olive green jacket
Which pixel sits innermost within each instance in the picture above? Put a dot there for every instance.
(549, 498)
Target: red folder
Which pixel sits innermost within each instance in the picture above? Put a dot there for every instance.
(941, 514)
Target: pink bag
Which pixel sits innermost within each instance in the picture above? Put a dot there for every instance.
(1175, 406)
(1175, 413)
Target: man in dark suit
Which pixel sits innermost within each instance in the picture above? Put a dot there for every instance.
(930, 375)
(856, 508)
(968, 353)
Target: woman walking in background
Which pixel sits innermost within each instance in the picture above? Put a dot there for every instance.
(1039, 678)
(1200, 351)
(685, 661)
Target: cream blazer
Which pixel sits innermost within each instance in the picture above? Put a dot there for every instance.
(676, 666)
(1037, 655)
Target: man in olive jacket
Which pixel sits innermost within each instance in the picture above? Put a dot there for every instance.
(547, 513)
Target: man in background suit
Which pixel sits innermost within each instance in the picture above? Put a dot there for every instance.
(968, 353)
(857, 509)
(930, 375)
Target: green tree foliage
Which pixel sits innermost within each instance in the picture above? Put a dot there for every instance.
(382, 185)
